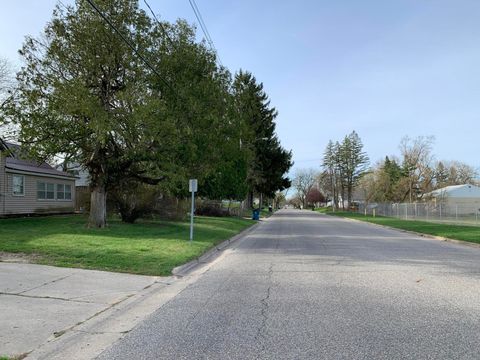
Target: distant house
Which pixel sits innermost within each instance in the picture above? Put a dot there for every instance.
(82, 184)
(460, 199)
(82, 176)
(27, 187)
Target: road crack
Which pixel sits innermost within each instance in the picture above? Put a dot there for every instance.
(261, 336)
(44, 284)
(46, 297)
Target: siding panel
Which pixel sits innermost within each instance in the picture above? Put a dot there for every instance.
(29, 204)
(2, 182)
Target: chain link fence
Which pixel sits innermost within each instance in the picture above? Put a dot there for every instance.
(468, 214)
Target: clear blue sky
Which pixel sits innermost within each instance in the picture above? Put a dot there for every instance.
(383, 68)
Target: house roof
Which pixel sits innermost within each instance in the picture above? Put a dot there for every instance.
(3, 145)
(16, 161)
(463, 191)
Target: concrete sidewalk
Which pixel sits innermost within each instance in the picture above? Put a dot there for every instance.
(40, 304)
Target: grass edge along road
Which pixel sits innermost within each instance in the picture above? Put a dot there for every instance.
(148, 247)
(450, 231)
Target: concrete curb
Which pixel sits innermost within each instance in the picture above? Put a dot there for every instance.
(185, 269)
(428, 236)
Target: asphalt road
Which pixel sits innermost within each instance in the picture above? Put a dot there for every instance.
(307, 286)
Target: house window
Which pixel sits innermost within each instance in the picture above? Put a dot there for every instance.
(60, 192)
(18, 182)
(45, 191)
(41, 190)
(64, 192)
(50, 191)
(68, 192)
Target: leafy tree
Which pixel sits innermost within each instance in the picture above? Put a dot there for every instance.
(83, 92)
(314, 197)
(202, 110)
(368, 186)
(304, 181)
(86, 95)
(454, 173)
(416, 176)
(229, 180)
(417, 166)
(5, 82)
(280, 199)
(7, 92)
(133, 200)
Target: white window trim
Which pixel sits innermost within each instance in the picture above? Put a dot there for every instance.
(57, 185)
(55, 192)
(46, 191)
(23, 186)
(64, 193)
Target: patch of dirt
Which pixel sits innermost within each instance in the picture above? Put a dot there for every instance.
(19, 357)
(19, 257)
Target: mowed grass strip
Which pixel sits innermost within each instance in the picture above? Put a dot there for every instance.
(148, 247)
(457, 232)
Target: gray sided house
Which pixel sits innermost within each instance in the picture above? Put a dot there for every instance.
(27, 187)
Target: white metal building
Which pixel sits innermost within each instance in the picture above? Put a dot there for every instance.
(461, 199)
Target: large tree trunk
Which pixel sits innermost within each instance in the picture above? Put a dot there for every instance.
(250, 200)
(98, 207)
(334, 191)
(349, 196)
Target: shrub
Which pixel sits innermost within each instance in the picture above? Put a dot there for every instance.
(211, 208)
(133, 201)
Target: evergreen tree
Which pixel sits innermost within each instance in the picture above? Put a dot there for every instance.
(330, 166)
(392, 173)
(270, 161)
(354, 162)
(345, 163)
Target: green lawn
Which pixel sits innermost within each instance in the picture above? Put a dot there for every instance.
(458, 232)
(147, 247)
(264, 213)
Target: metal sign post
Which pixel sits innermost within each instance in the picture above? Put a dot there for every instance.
(192, 187)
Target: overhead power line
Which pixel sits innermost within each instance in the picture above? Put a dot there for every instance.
(130, 45)
(204, 28)
(159, 22)
(199, 17)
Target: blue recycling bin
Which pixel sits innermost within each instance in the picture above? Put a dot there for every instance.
(256, 214)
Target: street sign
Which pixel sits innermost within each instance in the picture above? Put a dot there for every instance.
(193, 188)
(193, 185)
